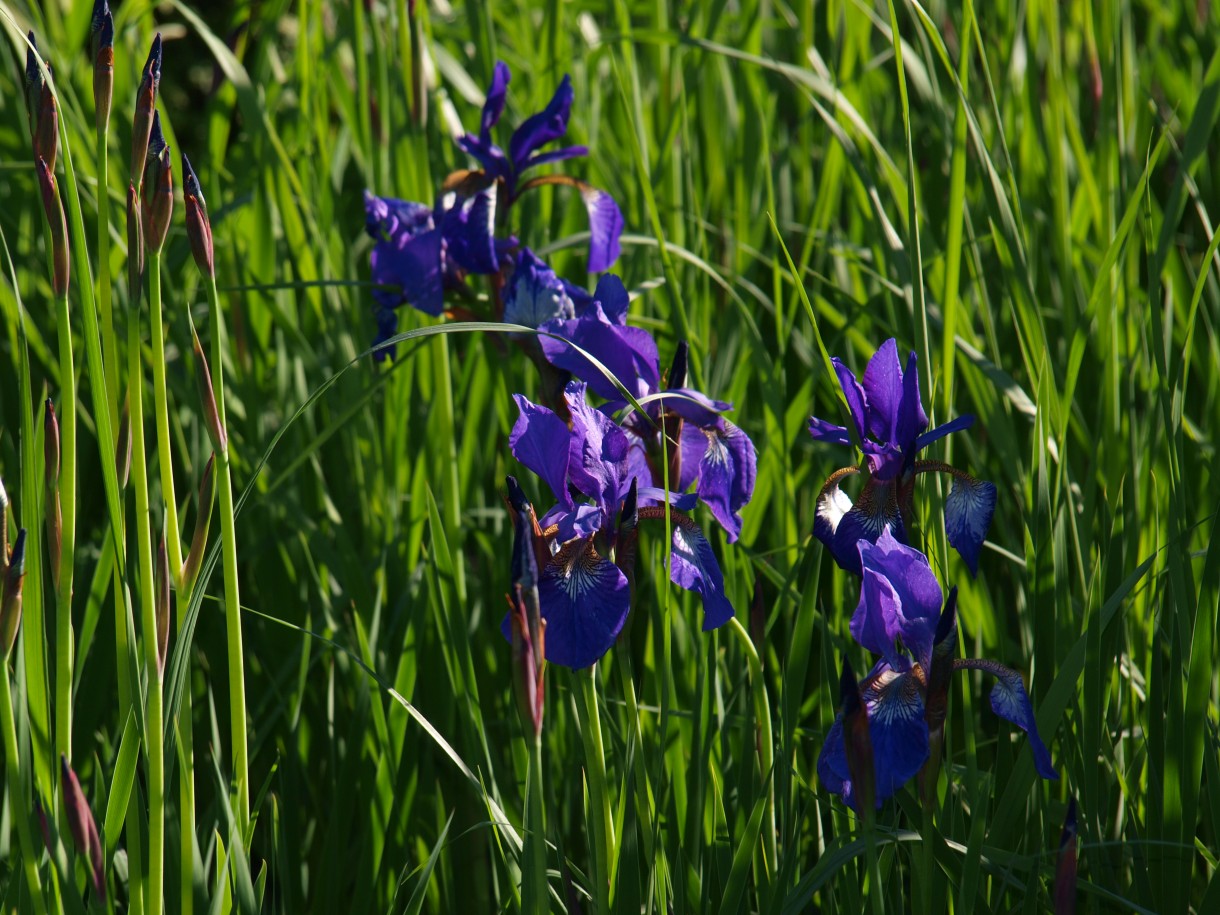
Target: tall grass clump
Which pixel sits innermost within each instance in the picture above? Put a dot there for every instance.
(707, 458)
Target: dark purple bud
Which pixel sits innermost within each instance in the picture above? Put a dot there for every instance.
(44, 827)
(10, 594)
(207, 398)
(59, 228)
(524, 560)
(203, 520)
(158, 190)
(628, 533)
(83, 828)
(528, 628)
(944, 649)
(33, 82)
(46, 131)
(677, 369)
(1065, 871)
(198, 226)
(51, 504)
(516, 496)
(103, 63)
(857, 744)
(135, 247)
(163, 599)
(146, 104)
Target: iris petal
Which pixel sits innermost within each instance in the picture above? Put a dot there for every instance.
(726, 470)
(597, 451)
(900, 599)
(534, 294)
(840, 524)
(1010, 701)
(630, 353)
(882, 385)
(694, 567)
(539, 440)
(605, 227)
(857, 402)
(539, 129)
(968, 512)
(612, 295)
(557, 155)
(413, 263)
(469, 229)
(497, 93)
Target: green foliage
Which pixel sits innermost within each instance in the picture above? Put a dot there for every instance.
(1029, 204)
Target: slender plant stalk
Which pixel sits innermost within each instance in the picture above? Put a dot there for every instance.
(228, 535)
(644, 801)
(161, 406)
(67, 494)
(16, 792)
(535, 895)
(766, 746)
(153, 735)
(875, 900)
(110, 344)
(602, 814)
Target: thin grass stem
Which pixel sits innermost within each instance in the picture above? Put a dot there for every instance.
(601, 814)
(161, 407)
(67, 494)
(16, 791)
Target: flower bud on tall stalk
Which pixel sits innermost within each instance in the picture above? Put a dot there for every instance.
(164, 599)
(59, 230)
(122, 451)
(203, 521)
(207, 398)
(135, 247)
(146, 105)
(102, 48)
(83, 828)
(198, 226)
(46, 134)
(10, 594)
(54, 517)
(158, 190)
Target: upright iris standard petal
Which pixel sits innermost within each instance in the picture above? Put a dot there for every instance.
(605, 228)
(968, 512)
(841, 524)
(882, 385)
(539, 440)
(542, 128)
(585, 600)
(630, 353)
(1010, 701)
(726, 467)
(534, 294)
(900, 600)
(597, 452)
(694, 568)
(497, 93)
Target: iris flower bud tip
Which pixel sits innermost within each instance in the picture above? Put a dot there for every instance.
(677, 369)
(83, 827)
(10, 594)
(203, 380)
(198, 225)
(58, 225)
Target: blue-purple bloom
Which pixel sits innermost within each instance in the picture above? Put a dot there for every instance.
(584, 588)
(524, 153)
(900, 617)
(890, 423)
(706, 449)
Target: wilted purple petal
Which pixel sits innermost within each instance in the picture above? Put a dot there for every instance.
(539, 129)
(534, 294)
(900, 599)
(605, 227)
(1010, 701)
(539, 440)
(968, 512)
(694, 568)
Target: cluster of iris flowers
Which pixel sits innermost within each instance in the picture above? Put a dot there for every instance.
(892, 722)
(652, 439)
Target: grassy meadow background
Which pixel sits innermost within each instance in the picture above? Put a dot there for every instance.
(1025, 193)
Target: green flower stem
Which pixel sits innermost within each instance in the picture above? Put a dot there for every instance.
(16, 792)
(67, 495)
(448, 454)
(602, 813)
(228, 535)
(164, 457)
(766, 743)
(535, 894)
(110, 347)
(153, 737)
(875, 899)
(645, 804)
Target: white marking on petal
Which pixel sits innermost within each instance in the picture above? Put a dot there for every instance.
(833, 505)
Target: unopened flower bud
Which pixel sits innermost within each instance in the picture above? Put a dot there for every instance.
(158, 189)
(51, 504)
(59, 228)
(203, 520)
(135, 247)
(83, 828)
(857, 744)
(46, 132)
(198, 226)
(102, 47)
(33, 83)
(163, 598)
(1065, 871)
(10, 594)
(146, 104)
(207, 398)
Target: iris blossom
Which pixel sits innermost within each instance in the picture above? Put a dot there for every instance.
(423, 250)
(524, 153)
(706, 449)
(587, 548)
(890, 423)
(900, 617)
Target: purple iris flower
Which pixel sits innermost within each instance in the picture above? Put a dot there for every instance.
(524, 152)
(423, 250)
(588, 547)
(707, 449)
(900, 617)
(890, 422)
